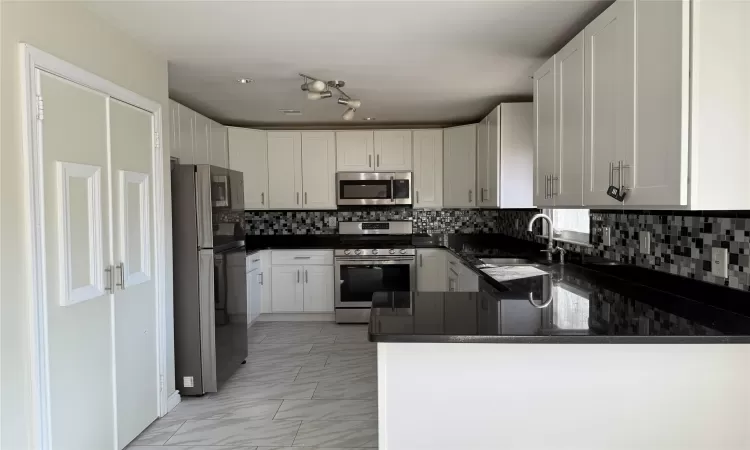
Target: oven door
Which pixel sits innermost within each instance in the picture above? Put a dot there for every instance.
(368, 188)
(358, 279)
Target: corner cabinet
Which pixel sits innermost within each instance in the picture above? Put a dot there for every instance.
(393, 150)
(428, 168)
(355, 151)
(459, 166)
(318, 170)
(248, 153)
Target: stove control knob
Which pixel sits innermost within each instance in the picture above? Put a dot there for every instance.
(374, 252)
(347, 252)
(358, 252)
(392, 251)
(403, 251)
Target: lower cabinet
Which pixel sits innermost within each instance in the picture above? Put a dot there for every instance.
(460, 277)
(302, 281)
(287, 289)
(431, 270)
(254, 295)
(318, 288)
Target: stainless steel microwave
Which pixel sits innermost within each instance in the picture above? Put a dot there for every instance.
(372, 188)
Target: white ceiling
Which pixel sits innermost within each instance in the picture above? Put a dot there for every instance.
(415, 63)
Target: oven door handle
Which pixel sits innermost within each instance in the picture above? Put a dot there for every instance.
(374, 262)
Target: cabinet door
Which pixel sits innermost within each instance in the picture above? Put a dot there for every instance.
(459, 167)
(609, 98)
(319, 170)
(393, 150)
(468, 280)
(202, 139)
(656, 171)
(318, 288)
(354, 151)
(253, 295)
(431, 270)
(287, 289)
(284, 169)
(218, 139)
(545, 132)
(174, 129)
(482, 162)
(428, 168)
(567, 185)
(248, 153)
(187, 132)
(265, 282)
(495, 165)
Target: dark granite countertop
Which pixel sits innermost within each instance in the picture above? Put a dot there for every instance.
(593, 301)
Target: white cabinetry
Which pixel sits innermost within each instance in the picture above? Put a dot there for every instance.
(219, 154)
(505, 157)
(432, 270)
(428, 168)
(545, 132)
(459, 168)
(302, 281)
(460, 277)
(174, 129)
(285, 169)
(319, 170)
(186, 122)
(201, 139)
(354, 151)
(257, 290)
(393, 150)
(248, 153)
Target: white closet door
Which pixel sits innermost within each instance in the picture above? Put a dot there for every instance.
(137, 387)
(77, 227)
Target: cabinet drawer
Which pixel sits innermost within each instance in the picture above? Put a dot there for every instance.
(301, 257)
(254, 261)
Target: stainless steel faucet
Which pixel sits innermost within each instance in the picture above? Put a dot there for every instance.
(551, 249)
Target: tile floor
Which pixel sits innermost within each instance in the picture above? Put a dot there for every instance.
(305, 384)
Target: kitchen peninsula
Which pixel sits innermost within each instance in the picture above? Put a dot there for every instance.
(571, 359)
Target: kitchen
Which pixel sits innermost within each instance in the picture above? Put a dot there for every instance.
(362, 260)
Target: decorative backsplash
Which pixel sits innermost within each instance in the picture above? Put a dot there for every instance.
(467, 221)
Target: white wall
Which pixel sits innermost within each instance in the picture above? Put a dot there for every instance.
(69, 31)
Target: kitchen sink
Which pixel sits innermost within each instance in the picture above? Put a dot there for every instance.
(508, 261)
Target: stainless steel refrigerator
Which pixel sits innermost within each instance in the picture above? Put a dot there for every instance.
(210, 294)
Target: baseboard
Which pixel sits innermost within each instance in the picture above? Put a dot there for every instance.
(296, 317)
(173, 400)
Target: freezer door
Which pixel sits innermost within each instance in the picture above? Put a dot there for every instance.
(204, 207)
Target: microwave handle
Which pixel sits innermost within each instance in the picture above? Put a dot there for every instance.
(393, 199)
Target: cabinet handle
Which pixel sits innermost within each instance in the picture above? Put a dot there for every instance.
(623, 166)
(121, 266)
(305, 276)
(302, 257)
(298, 198)
(262, 198)
(377, 161)
(255, 260)
(552, 180)
(260, 275)
(305, 198)
(421, 260)
(298, 277)
(611, 172)
(110, 279)
(471, 196)
(369, 160)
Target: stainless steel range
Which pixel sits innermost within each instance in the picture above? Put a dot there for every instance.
(378, 258)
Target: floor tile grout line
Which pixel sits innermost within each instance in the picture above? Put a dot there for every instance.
(175, 432)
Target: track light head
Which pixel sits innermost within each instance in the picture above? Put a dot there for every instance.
(348, 114)
(319, 95)
(351, 103)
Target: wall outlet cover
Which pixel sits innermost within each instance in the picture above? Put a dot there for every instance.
(719, 262)
(645, 241)
(606, 236)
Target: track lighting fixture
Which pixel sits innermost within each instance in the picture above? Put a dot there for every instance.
(318, 89)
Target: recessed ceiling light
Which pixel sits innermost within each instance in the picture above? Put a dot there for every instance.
(291, 112)
(369, 118)
(245, 80)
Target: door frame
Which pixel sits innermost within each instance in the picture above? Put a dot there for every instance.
(31, 60)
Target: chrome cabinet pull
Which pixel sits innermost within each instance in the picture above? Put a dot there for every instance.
(298, 277)
(255, 260)
(260, 276)
(546, 186)
(623, 180)
(121, 284)
(369, 160)
(305, 276)
(305, 198)
(110, 280)
(262, 198)
(611, 173)
(471, 196)
(302, 257)
(421, 260)
(377, 161)
(552, 186)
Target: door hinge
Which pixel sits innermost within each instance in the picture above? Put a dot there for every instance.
(157, 142)
(39, 107)
(161, 383)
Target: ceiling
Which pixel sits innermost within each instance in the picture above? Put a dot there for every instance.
(410, 62)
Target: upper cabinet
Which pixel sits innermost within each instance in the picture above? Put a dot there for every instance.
(319, 170)
(174, 129)
(202, 139)
(459, 166)
(248, 153)
(505, 157)
(355, 151)
(665, 105)
(285, 169)
(428, 168)
(186, 122)
(219, 153)
(393, 150)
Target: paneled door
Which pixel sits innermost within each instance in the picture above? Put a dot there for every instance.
(131, 144)
(287, 290)
(483, 162)
(78, 250)
(393, 150)
(545, 132)
(428, 168)
(248, 153)
(459, 168)
(319, 170)
(186, 120)
(318, 294)
(284, 169)
(354, 151)
(609, 99)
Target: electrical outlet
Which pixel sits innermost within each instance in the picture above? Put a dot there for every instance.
(332, 221)
(719, 260)
(187, 382)
(645, 240)
(606, 236)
